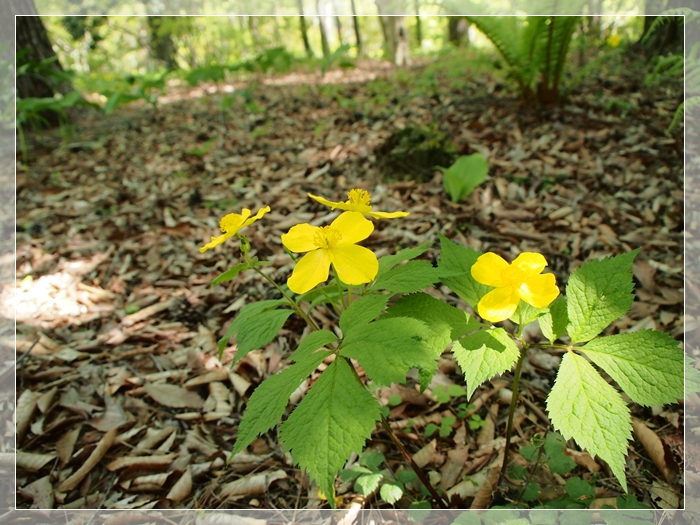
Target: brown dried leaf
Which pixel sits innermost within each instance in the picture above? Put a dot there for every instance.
(182, 487)
(26, 408)
(141, 461)
(424, 455)
(482, 500)
(174, 396)
(33, 462)
(66, 444)
(100, 450)
(657, 450)
(218, 374)
(40, 492)
(251, 485)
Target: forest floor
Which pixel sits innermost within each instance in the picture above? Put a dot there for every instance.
(114, 305)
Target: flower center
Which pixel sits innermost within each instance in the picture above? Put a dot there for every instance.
(358, 196)
(513, 277)
(327, 237)
(231, 222)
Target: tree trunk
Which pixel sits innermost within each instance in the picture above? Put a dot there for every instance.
(320, 9)
(356, 24)
(338, 25)
(456, 30)
(160, 42)
(31, 35)
(419, 27)
(302, 28)
(395, 32)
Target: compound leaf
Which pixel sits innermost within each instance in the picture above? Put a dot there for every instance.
(362, 311)
(387, 262)
(412, 276)
(454, 270)
(553, 323)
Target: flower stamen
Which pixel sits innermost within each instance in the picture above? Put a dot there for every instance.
(358, 196)
(327, 237)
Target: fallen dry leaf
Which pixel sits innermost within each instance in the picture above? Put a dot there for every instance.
(251, 485)
(657, 450)
(174, 396)
(102, 447)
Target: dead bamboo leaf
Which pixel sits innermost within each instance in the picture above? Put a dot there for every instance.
(100, 450)
(174, 396)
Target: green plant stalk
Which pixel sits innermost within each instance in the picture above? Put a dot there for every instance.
(340, 291)
(513, 404)
(404, 452)
(535, 467)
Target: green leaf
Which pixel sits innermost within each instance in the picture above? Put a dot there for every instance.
(367, 484)
(372, 459)
(454, 270)
(352, 473)
(583, 406)
(388, 348)
(553, 323)
(647, 364)
(248, 312)
(464, 175)
(362, 311)
(526, 313)
(430, 429)
(230, 274)
(395, 400)
(692, 377)
(406, 476)
(579, 489)
(391, 493)
(334, 419)
(517, 472)
(529, 452)
(544, 517)
(324, 294)
(456, 391)
(445, 323)
(483, 355)
(560, 463)
(269, 400)
(598, 293)
(531, 492)
(412, 276)
(311, 343)
(257, 331)
(387, 262)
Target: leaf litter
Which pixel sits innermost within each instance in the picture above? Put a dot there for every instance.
(113, 298)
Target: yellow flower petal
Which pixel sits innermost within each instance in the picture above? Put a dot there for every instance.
(353, 226)
(488, 269)
(300, 238)
(215, 241)
(388, 215)
(340, 205)
(233, 222)
(261, 212)
(539, 290)
(530, 262)
(499, 304)
(311, 270)
(354, 264)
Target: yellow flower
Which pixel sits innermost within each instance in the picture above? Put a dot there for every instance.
(614, 40)
(520, 280)
(336, 245)
(359, 200)
(232, 223)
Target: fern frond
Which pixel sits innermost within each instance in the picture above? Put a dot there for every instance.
(667, 16)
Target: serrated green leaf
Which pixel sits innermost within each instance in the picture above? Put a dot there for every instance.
(362, 311)
(517, 472)
(390, 493)
(647, 364)
(269, 400)
(554, 444)
(412, 276)
(692, 377)
(484, 354)
(352, 473)
(230, 274)
(578, 489)
(598, 293)
(529, 452)
(387, 262)
(313, 342)
(456, 391)
(333, 420)
(445, 323)
(367, 484)
(430, 429)
(258, 331)
(467, 172)
(328, 294)
(372, 459)
(243, 318)
(388, 348)
(526, 313)
(630, 501)
(560, 463)
(584, 407)
(454, 270)
(553, 323)
(406, 476)
(531, 492)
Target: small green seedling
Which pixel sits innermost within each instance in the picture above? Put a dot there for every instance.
(368, 477)
(460, 179)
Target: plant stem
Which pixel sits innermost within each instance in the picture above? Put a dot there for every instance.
(340, 291)
(511, 413)
(294, 305)
(411, 462)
